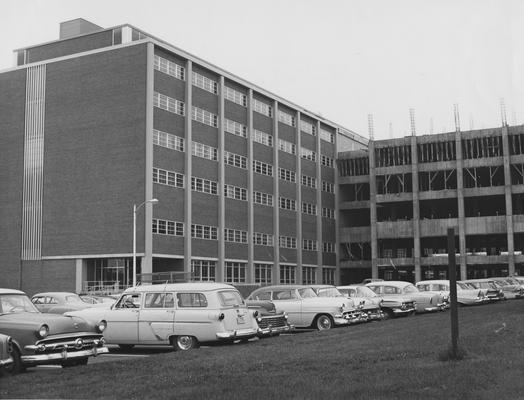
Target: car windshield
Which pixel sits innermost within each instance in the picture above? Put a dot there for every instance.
(230, 298)
(307, 292)
(410, 289)
(16, 303)
(329, 292)
(463, 286)
(364, 291)
(73, 298)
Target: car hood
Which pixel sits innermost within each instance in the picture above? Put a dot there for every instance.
(327, 302)
(58, 324)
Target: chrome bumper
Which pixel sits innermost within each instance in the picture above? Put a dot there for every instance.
(398, 311)
(5, 362)
(63, 355)
(275, 330)
(239, 334)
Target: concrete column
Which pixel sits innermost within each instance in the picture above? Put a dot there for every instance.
(147, 262)
(373, 209)
(276, 191)
(337, 210)
(220, 273)
(80, 274)
(509, 203)
(299, 198)
(416, 209)
(188, 170)
(318, 176)
(250, 278)
(461, 212)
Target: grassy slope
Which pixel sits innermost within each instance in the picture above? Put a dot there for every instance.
(391, 359)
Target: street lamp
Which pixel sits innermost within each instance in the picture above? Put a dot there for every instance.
(135, 209)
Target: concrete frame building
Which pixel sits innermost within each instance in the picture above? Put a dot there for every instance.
(399, 197)
(105, 119)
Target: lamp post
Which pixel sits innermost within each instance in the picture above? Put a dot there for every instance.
(135, 209)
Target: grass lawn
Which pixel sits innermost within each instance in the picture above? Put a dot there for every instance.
(399, 358)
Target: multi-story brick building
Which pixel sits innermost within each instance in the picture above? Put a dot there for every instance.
(105, 119)
(399, 197)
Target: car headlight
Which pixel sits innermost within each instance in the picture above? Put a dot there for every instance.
(101, 326)
(255, 313)
(43, 331)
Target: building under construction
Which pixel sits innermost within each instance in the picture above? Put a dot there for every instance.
(399, 197)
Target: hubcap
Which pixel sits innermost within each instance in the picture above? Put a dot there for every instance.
(324, 323)
(185, 342)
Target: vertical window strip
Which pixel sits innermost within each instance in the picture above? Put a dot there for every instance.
(203, 270)
(309, 275)
(328, 187)
(168, 140)
(235, 272)
(169, 67)
(327, 161)
(328, 276)
(328, 213)
(235, 96)
(263, 273)
(287, 274)
(169, 104)
(203, 82)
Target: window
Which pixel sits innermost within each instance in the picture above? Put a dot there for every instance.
(264, 199)
(286, 175)
(159, 300)
(169, 178)
(328, 187)
(328, 247)
(236, 128)
(169, 104)
(168, 140)
(203, 185)
(263, 273)
(262, 137)
(203, 270)
(287, 274)
(287, 242)
(204, 151)
(328, 276)
(262, 108)
(204, 232)
(203, 82)
(191, 300)
(327, 161)
(308, 154)
(308, 208)
(286, 146)
(129, 301)
(262, 168)
(235, 96)
(230, 298)
(287, 204)
(165, 227)
(328, 213)
(235, 235)
(309, 245)
(235, 160)
(169, 67)
(262, 239)
(235, 272)
(234, 192)
(309, 181)
(204, 116)
(309, 275)
(327, 136)
(308, 128)
(286, 118)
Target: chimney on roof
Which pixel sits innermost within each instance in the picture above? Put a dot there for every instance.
(77, 27)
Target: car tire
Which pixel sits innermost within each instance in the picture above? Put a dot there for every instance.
(185, 342)
(126, 347)
(324, 322)
(388, 314)
(17, 365)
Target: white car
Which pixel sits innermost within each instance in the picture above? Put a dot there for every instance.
(178, 314)
(465, 295)
(369, 302)
(305, 309)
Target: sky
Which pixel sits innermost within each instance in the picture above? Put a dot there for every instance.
(343, 59)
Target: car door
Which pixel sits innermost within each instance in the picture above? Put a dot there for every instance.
(193, 315)
(287, 300)
(156, 318)
(122, 320)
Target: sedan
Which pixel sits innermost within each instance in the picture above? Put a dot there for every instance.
(58, 302)
(465, 295)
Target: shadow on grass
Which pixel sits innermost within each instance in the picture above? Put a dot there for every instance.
(450, 355)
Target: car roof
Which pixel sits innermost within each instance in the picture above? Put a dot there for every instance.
(10, 291)
(386, 283)
(283, 287)
(438, 281)
(318, 286)
(201, 286)
(56, 294)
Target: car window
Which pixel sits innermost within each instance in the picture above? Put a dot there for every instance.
(262, 296)
(191, 300)
(423, 287)
(131, 300)
(410, 289)
(391, 290)
(230, 298)
(159, 300)
(376, 289)
(73, 299)
(329, 292)
(38, 300)
(306, 293)
(16, 303)
(364, 291)
(51, 300)
(284, 295)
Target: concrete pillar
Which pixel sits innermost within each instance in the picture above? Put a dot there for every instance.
(299, 198)
(373, 209)
(509, 203)
(276, 210)
(220, 272)
(250, 278)
(461, 212)
(416, 209)
(188, 166)
(318, 177)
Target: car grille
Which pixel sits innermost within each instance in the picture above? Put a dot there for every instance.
(272, 321)
(407, 305)
(72, 343)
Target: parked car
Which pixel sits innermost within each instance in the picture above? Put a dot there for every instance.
(332, 291)
(493, 292)
(98, 299)
(58, 302)
(270, 322)
(465, 295)
(6, 349)
(366, 298)
(179, 314)
(39, 338)
(423, 302)
(304, 308)
(511, 288)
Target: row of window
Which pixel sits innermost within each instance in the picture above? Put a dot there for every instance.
(236, 272)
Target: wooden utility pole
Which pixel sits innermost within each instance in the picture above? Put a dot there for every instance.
(453, 292)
